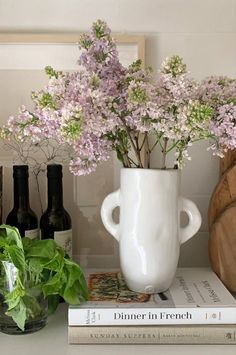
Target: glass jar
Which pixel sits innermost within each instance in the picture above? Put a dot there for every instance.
(30, 310)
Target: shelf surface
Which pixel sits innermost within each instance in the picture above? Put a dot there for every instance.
(53, 340)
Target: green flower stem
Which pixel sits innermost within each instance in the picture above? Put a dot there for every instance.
(158, 141)
(136, 138)
(148, 154)
(126, 160)
(131, 161)
(137, 153)
(144, 141)
(172, 147)
(147, 151)
(164, 152)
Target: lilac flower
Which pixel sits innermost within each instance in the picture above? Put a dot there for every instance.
(220, 93)
(224, 127)
(104, 106)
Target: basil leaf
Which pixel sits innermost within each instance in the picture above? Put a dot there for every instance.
(55, 284)
(27, 244)
(53, 302)
(42, 248)
(57, 262)
(38, 266)
(17, 257)
(18, 314)
(33, 308)
(12, 234)
(75, 290)
(13, 298)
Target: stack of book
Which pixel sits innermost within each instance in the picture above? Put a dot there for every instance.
(197, 309)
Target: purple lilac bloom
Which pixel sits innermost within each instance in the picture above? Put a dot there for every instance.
(104, 106)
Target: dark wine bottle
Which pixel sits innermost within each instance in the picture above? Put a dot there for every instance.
(21, 216)
(55, 222)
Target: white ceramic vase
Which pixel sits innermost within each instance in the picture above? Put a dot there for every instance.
(149, 232)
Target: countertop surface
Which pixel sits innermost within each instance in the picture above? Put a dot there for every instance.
(53, 340)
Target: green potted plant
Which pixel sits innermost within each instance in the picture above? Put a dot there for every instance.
(34, 274)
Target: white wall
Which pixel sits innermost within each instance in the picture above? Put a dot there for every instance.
(202, 31)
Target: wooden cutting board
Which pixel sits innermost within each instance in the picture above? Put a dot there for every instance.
(223, 195)
(222, 246)
(228, 161)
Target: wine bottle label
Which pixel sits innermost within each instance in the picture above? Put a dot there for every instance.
(32, 233)
(64, 240)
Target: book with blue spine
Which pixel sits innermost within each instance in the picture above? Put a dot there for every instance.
(197, 296)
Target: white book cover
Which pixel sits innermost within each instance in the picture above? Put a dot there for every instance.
(196, 296)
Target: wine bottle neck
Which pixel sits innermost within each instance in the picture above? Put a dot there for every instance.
(21, 193)
(55, 193)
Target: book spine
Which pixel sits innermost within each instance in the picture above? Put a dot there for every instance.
(150, 316)
(152, 335)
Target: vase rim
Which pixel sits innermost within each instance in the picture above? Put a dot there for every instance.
(169, 170)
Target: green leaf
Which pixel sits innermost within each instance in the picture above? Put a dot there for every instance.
(76, 290)
(13, 298)
(36, 265)
(17, 257)
(45, 267)
(33, 307)
(57, 263)
(13, 301)
(54, 285)
(18, 314)
(53, 302)
(3, 242)
(42, 248)
(27, 244)
(12, 235)
(119, 155)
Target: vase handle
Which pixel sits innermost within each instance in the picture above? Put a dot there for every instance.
(109, 204)
(195, 219)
